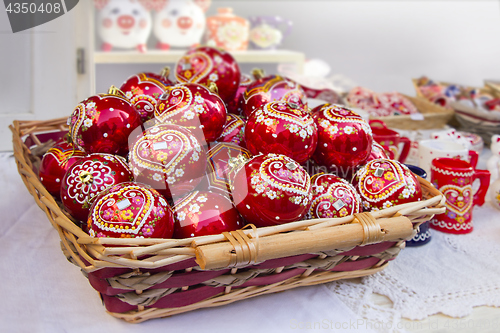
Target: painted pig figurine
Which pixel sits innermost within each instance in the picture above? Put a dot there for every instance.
(179, 23)
(124, 24)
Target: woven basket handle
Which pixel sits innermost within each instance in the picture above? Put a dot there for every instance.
(242, 250)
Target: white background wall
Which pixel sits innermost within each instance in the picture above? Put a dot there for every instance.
(378, 44)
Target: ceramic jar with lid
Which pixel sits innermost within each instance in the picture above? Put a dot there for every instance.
(228, 31)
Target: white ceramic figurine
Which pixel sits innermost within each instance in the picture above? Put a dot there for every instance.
(179, 23)
(124, 24)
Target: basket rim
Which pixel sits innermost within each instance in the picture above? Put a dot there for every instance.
(93, 253)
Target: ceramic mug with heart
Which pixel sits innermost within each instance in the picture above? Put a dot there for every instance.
(428, 150)
(454, 178)
(390, 140)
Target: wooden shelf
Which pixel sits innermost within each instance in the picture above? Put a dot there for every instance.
(157, 56)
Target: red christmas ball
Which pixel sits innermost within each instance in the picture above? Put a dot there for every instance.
(233, 131)
(281, 128)
(103, 123)
(205, 65)
(237, 104)
(205, 213)
(385, 183)
(143, 91)
(377, 152)
(87, 177)
(271, 189)
(55, 162)
(223, 159)
(169, 158)
(344, 139)
(270, 89)
(195, 107)
(333, 197)
(130, 210)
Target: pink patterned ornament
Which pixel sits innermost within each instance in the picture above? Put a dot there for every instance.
(169, 158)
(102, 123)
(271, 189)
(89, 176)
(333, 197)
(204, 213)
(55, 162)
(271, 89)
(386, 183)
(282, 128)
(195, 107)
(144, 89)
(344, 139)
(205, 65)
(130, 210)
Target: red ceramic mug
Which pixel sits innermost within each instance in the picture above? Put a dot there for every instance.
(454, 177)
(390, 140)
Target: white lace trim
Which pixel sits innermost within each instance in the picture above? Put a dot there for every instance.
(450, 275)
(452, 226)
(420, 237)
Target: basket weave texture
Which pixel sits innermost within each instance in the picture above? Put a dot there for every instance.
(141, 279)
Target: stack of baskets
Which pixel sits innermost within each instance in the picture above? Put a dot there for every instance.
(141, 279)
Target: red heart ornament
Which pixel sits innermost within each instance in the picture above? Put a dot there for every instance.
(333, 197)
(194, 107)
(270, 89)
(55, 162)
(143, 91)
(89, 176)
(385, 183)
(205, 65)
(130, 210)
(281, 128)
(103, 123)
(271, 189)
(169, 158)
(344, 139)
(205, 213)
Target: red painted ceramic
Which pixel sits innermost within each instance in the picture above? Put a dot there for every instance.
(169, 158)
(270, 89)
(233, 131)
(344, 139)
(143, 91)
(102, 124)
(130, 210)
(390, 140)
(333, 197)
(282, 128)
(454, 178)
(205, 65)
(195, 107)
(55, 162)
(386, 183)
(223, 159)
(237, 104)
(271, 189)
(204, 213)
(87, 177)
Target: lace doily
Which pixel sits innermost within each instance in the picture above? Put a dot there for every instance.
(449, 275)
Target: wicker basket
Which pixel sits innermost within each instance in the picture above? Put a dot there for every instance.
(432, 116)
(472, 120)
(141, 279)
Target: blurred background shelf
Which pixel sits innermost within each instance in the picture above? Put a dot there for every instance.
(157, 56)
